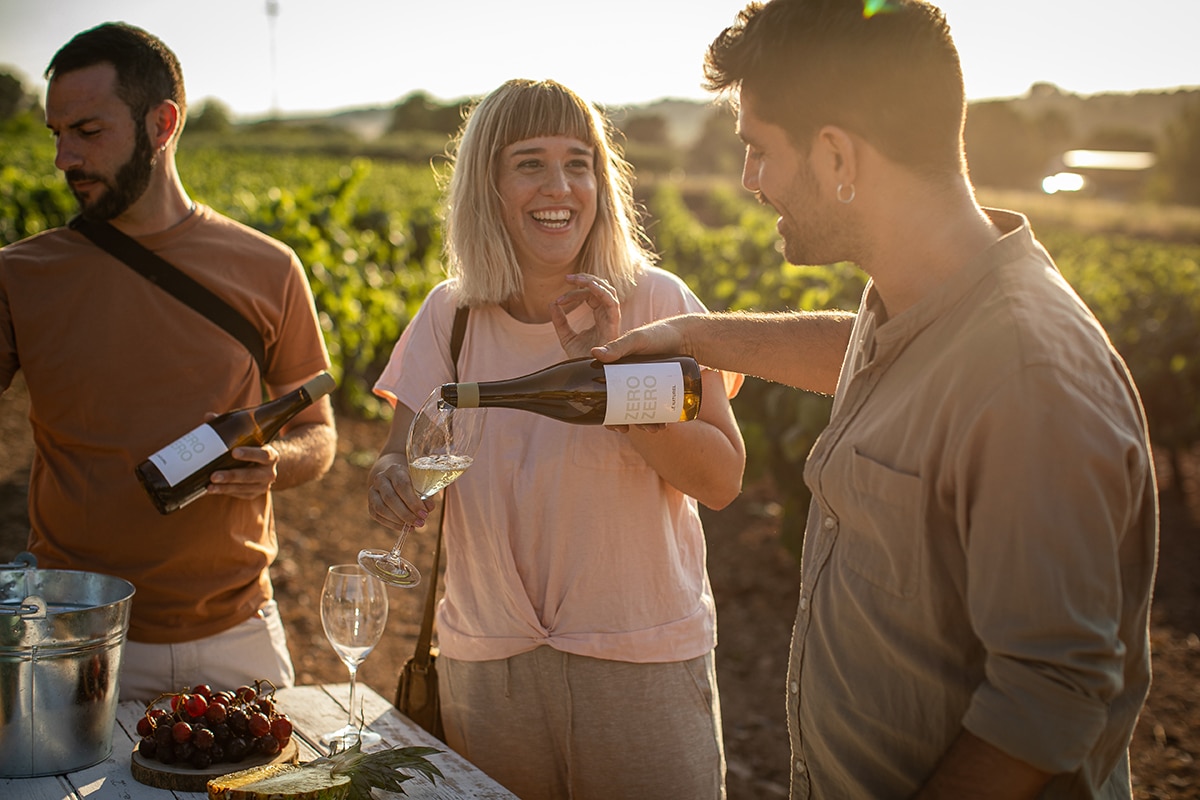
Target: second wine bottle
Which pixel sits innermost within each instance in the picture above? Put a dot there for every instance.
(179, 473)
(638, 390)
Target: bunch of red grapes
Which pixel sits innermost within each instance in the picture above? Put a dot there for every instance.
(203, 727)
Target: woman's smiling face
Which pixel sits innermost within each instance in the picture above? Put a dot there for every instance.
(547, 188)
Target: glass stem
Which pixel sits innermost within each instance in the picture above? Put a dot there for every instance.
(393, 556)
(353, 681)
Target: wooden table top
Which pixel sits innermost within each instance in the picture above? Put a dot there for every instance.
(313, 710)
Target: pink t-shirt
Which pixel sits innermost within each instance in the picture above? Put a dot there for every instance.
(559, 534)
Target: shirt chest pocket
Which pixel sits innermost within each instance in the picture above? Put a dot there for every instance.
(881, 537)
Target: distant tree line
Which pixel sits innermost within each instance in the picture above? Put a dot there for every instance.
(1015, 143)
(1177, 177)
(1009, 143)
(16, 103)
(420, 112)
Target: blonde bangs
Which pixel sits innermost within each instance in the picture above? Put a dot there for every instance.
(544, 109)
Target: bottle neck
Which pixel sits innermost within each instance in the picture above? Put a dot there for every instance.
(274, 414)
(467, 395)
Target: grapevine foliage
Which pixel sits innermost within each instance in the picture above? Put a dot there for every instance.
(33, 196)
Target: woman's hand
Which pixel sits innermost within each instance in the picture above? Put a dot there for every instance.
(391, 499)
(606, 311)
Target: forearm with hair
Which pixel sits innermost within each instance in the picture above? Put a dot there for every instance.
(305, 454)
(802, 349)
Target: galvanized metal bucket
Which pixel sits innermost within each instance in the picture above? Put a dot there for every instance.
(62, 637)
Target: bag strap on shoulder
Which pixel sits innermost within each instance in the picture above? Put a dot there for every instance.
(178, 284)
(425, 638)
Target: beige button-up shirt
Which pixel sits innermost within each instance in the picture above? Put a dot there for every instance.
(981, 542)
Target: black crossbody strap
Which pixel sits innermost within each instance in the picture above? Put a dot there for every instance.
(457, 333)
(425, 637)
(180, 285)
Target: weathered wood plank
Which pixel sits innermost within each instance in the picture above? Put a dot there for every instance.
(111, 777)
(51, 788)
(313, 710)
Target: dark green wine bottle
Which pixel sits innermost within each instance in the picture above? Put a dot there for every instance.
(179, 473)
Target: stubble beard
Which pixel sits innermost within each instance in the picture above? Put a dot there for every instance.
(805, 225)
(124, 189)
(807, 236)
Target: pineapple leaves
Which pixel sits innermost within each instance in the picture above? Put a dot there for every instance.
(378, 770)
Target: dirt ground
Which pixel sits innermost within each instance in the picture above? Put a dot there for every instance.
(755, 582)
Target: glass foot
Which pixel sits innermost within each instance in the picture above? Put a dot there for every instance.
(394, 571)
(347, 736)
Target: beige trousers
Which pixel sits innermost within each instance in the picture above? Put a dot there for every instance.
(256, 648)
(550, 725)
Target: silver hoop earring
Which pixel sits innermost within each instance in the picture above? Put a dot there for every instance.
(845, 200)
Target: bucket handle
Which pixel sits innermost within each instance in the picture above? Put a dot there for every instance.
(32, 607)
(23, 560)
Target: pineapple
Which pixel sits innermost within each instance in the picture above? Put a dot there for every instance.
(349, 775)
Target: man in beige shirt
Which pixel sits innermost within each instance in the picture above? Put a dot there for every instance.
(980, 551)
(117, 368)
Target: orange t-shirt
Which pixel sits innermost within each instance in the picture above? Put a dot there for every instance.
(116, 369)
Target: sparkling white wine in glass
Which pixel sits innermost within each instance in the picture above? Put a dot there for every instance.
(354, 609)
(431, 474)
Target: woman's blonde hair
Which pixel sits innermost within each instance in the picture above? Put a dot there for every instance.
(479, 253)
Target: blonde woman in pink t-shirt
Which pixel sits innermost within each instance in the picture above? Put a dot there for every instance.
(577, 628)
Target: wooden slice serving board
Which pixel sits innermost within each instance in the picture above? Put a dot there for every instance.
(188, 779)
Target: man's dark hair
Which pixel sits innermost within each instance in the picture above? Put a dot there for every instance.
(886, 70)
(147, 71)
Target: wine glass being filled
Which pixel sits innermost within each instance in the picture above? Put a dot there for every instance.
(354, 609)
(441, 445)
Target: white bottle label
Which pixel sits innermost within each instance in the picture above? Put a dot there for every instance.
(189, 453)
(642, 394)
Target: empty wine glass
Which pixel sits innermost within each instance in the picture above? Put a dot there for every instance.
(354, 608)
(441, 445)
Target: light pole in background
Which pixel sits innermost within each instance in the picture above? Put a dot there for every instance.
(272, 14)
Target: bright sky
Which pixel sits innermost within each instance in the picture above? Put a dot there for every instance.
(322, 55)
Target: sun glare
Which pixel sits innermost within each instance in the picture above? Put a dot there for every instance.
(1062, 182)
(873, 7)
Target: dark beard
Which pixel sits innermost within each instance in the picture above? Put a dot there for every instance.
(130, 183)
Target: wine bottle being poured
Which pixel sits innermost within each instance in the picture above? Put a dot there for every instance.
(179, 473)
(637, 390)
